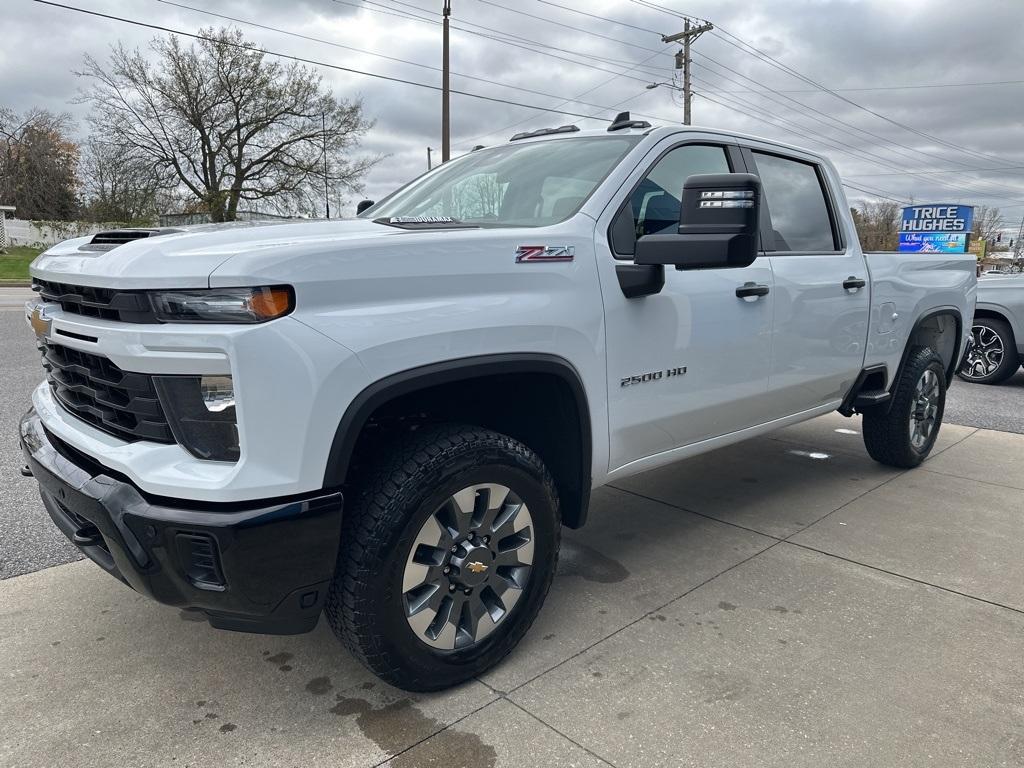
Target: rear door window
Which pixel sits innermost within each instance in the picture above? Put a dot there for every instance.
(795, 198)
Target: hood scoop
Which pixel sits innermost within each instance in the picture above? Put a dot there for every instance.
(105, 241)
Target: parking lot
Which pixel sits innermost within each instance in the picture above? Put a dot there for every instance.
(785, 601)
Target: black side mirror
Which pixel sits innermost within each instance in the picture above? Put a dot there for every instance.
(363, 205)
(719, 222)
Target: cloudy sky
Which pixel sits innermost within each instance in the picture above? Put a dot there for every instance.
(927, 96)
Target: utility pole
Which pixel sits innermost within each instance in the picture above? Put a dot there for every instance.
(327, 192)
(429, 163)
(445, 115)
(689, 34)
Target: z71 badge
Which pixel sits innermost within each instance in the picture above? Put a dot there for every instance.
(535, 253)
(643, 378)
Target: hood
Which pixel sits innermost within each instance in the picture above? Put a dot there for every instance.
(185, 257)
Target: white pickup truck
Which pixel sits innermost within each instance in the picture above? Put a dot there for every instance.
(389, 419)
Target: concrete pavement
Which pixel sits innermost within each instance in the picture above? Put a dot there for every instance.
(783, 602)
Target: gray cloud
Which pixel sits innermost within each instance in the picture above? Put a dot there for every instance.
(842, 43)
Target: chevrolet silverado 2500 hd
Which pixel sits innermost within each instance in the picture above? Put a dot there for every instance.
(389, 419)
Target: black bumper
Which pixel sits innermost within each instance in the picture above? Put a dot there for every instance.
(247, 567)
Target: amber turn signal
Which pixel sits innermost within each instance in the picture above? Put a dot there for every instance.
(268, 303)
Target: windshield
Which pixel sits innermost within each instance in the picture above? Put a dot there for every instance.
(524, 185)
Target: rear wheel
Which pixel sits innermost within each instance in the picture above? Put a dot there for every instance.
(993, 355)
(446, 557)
(903, 435)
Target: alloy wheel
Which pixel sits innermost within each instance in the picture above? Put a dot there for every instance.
(985, 355)
(925, 412)
(468, 566)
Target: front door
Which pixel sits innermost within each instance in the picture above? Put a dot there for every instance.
(691, 362)
(821, 287)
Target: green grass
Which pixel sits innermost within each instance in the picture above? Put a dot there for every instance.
(14, 263)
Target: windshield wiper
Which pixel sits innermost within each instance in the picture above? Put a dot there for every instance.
(424, 222)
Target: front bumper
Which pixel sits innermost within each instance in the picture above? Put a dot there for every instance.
(253, 567)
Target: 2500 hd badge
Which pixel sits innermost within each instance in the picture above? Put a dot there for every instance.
(643, 378)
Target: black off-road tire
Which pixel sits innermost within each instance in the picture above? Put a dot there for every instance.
(414, 475)
(1010, 359)
(887, 432)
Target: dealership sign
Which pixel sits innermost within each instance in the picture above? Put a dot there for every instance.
(936, 228)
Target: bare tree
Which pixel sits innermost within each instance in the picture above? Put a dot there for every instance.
(230, 123)
(477, 197)
(986, 223)
(38, 164)
(120, 186)
(878, 225)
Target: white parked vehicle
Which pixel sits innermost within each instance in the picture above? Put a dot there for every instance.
(997, 333)
(389, 419)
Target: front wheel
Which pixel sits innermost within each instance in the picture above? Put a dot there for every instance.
(903, 435)
(446, 556)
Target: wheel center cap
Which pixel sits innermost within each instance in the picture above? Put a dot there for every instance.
(474, 567)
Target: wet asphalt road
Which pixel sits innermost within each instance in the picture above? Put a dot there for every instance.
(990, 407)
(29, 541)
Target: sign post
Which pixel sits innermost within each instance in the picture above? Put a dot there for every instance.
(936, 228)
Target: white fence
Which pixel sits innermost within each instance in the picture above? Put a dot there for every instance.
(46, 233)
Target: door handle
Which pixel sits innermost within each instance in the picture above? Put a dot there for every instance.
(852, 283)
(751, 290)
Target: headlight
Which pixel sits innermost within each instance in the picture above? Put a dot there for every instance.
(201, 413)
(223, 305)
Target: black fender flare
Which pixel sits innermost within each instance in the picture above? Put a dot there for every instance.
(958, 345)
(450, 371)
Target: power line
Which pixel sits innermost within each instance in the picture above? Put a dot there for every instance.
(904, 126)
(859, 153)
(803, 107)
(170, 30)
(895, 87)
(848, 185)
(877, 158)
(576, 99)
(548, 20)
(600, 18)
(303, 60)
(794, 101)
(342, 46)
(499, 36)
(377, 7)
(335, 44)
(751, 50)
(1007, 169)
(829, 143)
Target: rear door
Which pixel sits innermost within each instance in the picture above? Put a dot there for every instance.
(690, 362)
(821, 285)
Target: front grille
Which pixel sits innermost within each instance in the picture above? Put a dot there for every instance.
(104, 303)
(95, 390)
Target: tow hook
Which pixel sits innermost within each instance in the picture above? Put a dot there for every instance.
(25, 471)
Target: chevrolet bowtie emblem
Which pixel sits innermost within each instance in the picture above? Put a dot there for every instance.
(477, 567)
(39, 322)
